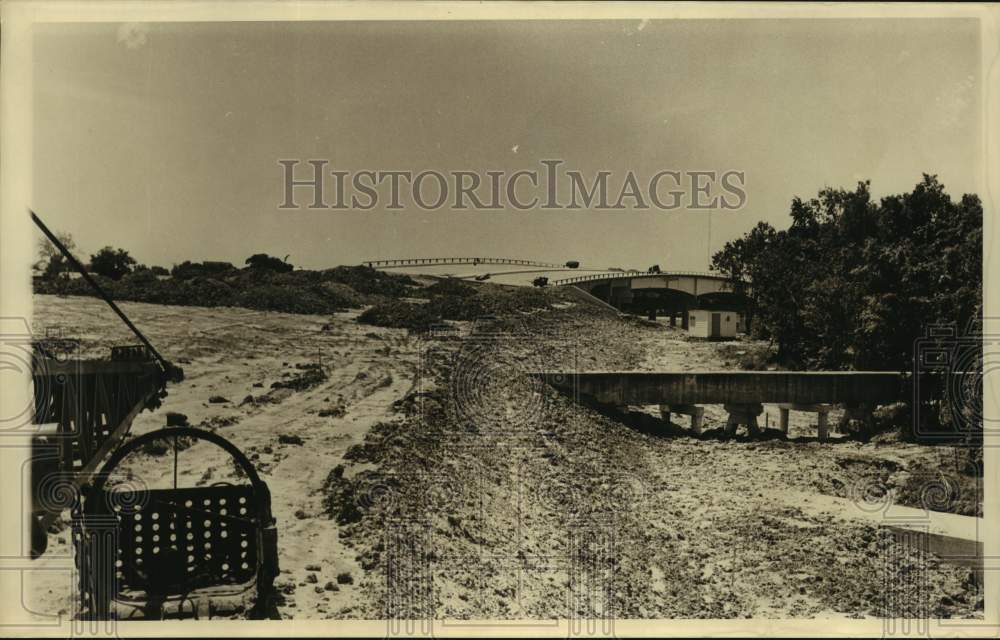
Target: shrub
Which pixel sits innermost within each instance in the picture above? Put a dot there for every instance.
(369, 281)
(453, 307)
(451, 287)
(403, 315)
(188, 269)
(270, 263)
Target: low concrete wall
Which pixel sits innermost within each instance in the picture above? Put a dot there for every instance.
(589, 298)
(742, 387)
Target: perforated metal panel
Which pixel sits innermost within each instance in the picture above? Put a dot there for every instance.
(174, 541)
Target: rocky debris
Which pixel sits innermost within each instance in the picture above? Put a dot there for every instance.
(311, 375)
(334, 412)
(214, 422)
(217, 400)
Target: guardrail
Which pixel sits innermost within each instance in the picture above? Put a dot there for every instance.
(420, 262)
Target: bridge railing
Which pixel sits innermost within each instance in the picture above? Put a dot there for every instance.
(640, 274)
(413, 262)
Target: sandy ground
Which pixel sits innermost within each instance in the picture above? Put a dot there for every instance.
(455, 486)
(235, 353)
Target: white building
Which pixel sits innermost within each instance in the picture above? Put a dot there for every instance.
(705, 323)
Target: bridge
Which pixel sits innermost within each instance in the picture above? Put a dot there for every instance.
(743, 393)
(427, 262)
(671, 292)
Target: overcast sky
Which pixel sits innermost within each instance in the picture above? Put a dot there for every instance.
(164, 138)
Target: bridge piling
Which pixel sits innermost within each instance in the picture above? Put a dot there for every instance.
(822, 430)
(696, 413)
(743, 414)
(861, 413)
(822, 412)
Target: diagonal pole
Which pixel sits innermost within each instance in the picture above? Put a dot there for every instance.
(93, 283)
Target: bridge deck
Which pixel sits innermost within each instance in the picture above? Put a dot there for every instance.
(734, 387)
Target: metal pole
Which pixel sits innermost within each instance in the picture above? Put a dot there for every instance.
(86, 276)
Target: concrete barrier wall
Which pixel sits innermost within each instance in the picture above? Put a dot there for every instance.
(744, 387)
(588, 298)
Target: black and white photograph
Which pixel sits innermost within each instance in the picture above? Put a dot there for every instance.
(485, 319)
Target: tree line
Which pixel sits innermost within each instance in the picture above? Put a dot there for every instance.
(864, 284)
(853, 283)
(115, 264)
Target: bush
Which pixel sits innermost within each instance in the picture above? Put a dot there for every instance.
(402, 315)
(188, 269)
(269, 297)
(453, 307)
(451, 287)
(269, 263)
(369, 281)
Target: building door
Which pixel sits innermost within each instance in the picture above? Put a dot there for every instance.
(716, 325)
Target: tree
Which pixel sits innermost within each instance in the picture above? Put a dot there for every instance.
(852, 283)
(266, 262)
(50, 260)
(540, 281)
(748, 259)
(112, 263)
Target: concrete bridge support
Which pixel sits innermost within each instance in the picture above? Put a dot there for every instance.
(822, 412)
(684, 318)
(697, 414)
(743, 414)
(861, 414)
